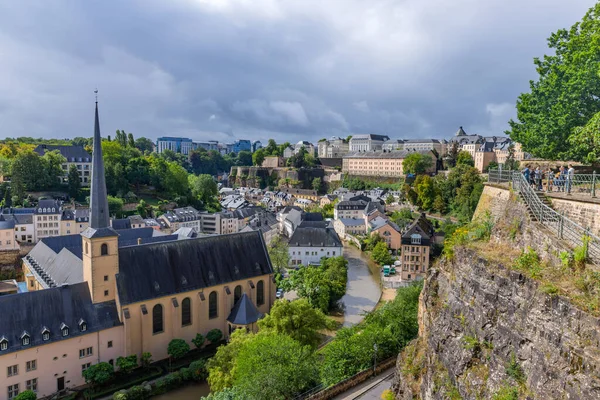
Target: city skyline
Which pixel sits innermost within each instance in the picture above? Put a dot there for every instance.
(228, 70)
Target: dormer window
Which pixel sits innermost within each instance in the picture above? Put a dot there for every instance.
(25, 338)
(53, 209)
(82, 325)
(39, 210)
(45, 334)
(64, 329)
(415, 239)
(3, 343)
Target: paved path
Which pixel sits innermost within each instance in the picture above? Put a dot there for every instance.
(371, 389)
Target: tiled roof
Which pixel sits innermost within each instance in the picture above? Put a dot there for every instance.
(315, 237)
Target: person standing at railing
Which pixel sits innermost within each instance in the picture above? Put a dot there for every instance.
(526, 174)
(569, 181)
(537, 176)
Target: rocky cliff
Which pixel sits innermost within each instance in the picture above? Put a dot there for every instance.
(492, 327)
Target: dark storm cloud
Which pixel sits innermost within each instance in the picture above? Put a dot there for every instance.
(226, 69)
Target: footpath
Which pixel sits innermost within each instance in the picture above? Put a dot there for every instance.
(371, 389)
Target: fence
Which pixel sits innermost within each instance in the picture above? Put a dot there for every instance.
(560, 225)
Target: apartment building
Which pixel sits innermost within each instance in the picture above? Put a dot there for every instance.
(74, 155)
(310, 243)
(393, 145)
(74, 221)
(46, 219)
(7, 239)
(381, 164)
(423, 145)
(185, 217)
(416, 241)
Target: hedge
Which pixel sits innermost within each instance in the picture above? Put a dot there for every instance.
(153, 372)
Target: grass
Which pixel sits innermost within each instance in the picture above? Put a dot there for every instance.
(514, 370)
(506, 392)
(151, 200)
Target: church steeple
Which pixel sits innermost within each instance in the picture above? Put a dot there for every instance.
(99, 217)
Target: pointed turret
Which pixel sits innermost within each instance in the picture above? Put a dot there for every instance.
(461, 132)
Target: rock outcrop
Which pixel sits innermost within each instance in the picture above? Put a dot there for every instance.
(488, 331)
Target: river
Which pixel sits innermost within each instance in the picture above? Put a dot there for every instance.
(362, 295)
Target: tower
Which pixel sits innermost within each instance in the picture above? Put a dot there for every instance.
(100, 247)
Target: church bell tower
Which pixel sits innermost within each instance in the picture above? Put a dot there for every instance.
(100, 247)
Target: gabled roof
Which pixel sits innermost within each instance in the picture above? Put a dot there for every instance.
(312, 216)
(380, 222)
(315, 237)
(71, 153)
(420, 226)
(7, 224)
(203, 262)
(244, 312)
(352, 221)
(49, 309)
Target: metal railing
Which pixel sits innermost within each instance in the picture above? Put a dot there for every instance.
(561, 226)
(577, 184)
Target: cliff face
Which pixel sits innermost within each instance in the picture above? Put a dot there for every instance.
(488, 331)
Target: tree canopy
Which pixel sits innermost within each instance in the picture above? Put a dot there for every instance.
(566, 94)
(417, 163)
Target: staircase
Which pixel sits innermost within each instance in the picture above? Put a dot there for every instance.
(543, 199)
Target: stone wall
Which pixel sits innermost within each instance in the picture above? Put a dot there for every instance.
(584, 213)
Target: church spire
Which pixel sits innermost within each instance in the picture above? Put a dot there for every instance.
(99, 217)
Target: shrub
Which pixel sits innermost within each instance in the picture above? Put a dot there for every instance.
(198, 370)
(127, 364)
(178, 348)
(146, 359)
(100, 373)
(214, 335)
(529, 261)
(506, 393)
(137, 393)
(26, 395)
(566, 258)
(120, 395)
(514, 370)
(580, 254)
(198, 341)
(471, 343)
(388, 395)
(549, 288)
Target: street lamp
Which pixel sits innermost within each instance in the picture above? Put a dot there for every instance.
(374, 357)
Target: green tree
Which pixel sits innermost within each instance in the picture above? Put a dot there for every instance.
(26, 395)
(244, 158)
(144, 209)
(99, 374)
(144, 145)
(464, 158)
(381, 254)
(439, 204)
(511, 162)
(296, 319)
(204, 188)
(279, 253)
(565, 95)
(221, 365)
(286, 367)
(316, 184)
(52, 162)
(390, 199)
(452, 154)
(214, 335)
(127, 364)
(417, 163)
(74, 181)
(198, 341)
(425, 191)
(27, 174)
(115, 205)
(225, 394)
(130, 141)
(258, 157)
(178, 348)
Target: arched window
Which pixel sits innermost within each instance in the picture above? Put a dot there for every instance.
(157, 319)
(104, 249)
(186, 312)
(213, 309)
(260, 293)
(237, 294)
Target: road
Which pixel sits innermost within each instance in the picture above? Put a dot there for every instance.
(363, 289)
(371, 389)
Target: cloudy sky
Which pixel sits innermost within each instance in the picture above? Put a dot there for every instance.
(287, 69)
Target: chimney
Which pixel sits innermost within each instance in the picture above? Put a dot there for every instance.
(139, 241)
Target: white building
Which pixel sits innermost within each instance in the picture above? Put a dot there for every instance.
(309, 244)
(7, 241)
(421, 145)
(46, 219)
(393, 145)
(74, 155)
(333, 148)
(176, 144)
(367, 142)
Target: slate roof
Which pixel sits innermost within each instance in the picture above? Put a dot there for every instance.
(419, 226)
(59, 257)
(371, 136)
(48, 207)
(244, 312)
(6, 224)
(71, 153)
(315, 237)
(80, 215)
(380, 222)
(162, 269)
(312, 216)
(122, 223)
(352, 221)
(351, 205)
(35, 311)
